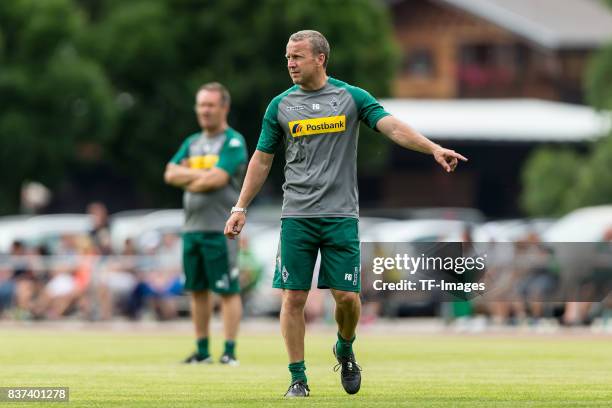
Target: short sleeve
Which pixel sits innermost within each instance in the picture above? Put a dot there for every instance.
(370, 111)
(182, 153)
(271, 135)
(233, 155)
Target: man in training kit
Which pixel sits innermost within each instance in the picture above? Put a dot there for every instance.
(318, 120)
(210, 167)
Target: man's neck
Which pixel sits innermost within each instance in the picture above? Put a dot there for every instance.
(211, 132)
(316, 84)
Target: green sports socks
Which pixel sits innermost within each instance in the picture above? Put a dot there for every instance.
(230, 348)
(203, 347)
(298, 371)
(344, 348)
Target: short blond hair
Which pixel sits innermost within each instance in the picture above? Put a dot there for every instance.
(318, 42)
(217, 87)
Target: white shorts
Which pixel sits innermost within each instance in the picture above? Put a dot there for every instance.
(60, 285)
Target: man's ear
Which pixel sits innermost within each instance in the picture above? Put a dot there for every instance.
(321, 59)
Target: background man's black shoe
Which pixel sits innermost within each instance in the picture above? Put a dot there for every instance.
(229, 360)
(195, 358)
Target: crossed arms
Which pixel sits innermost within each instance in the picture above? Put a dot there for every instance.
(195, 180)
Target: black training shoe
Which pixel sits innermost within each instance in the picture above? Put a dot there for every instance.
(195, 358)
(350, 375)
(298, 389)
(229, 360)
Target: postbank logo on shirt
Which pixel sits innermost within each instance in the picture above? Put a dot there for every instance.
(203, 162)
(305, 127)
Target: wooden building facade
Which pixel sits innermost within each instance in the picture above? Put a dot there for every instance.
(465, 49)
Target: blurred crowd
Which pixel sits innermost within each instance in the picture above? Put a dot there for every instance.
(529, 282)
(83, 275)
(542, 281)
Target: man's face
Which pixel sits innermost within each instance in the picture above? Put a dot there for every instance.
(210, 109)
(301, 62)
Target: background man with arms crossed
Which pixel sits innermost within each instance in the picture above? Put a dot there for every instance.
(318, 122)
(209, 166)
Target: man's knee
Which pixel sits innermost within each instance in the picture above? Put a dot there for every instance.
(294, 300)
(346, 299)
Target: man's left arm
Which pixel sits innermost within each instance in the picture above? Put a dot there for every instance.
(405, 136)
(179, 175)
(208, 180)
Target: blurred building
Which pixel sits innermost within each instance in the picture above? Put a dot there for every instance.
(492, 79)
(497, 48)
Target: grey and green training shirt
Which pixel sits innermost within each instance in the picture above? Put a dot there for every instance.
(319, 130)
(209, 211)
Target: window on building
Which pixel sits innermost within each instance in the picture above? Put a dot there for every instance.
(419, 63)
(489, 70)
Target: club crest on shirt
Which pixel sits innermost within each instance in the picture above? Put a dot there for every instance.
(334, 104)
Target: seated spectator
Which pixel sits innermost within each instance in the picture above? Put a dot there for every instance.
(7, 288)
(117, 281)
(69, 283)
(24, 279)
(159, 277)
(599, 281)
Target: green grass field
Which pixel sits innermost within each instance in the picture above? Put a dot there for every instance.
(140, 369)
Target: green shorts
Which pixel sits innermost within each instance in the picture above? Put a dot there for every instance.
(209, 262)
(302, 238)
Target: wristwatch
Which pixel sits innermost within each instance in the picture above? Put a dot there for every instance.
(238, 209)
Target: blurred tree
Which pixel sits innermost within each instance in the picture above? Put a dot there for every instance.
(594, 182)
(52, 99)
(556, 181)
(82, 76)
(598, 81)
(547, 178)
(158, 52)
